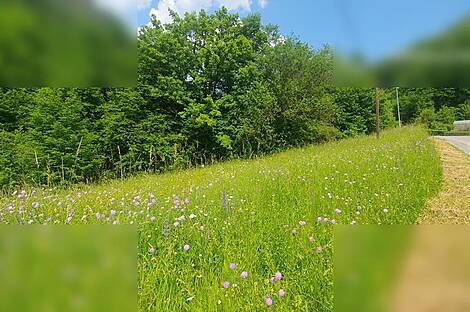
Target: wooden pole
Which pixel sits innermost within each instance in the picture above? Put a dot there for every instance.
(377, 112)
(398, 109)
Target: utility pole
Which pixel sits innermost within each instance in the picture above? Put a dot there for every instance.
(377, 112)
(398, 109)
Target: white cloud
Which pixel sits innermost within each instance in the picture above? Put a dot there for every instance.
(235, 4)
(143, 4)
(263, 3)
(181, 6)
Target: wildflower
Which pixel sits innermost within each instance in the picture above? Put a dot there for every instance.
(353, 222)
(201, 228)
(319, 249)
(268, 301)
(232, 266)
(98, 216)
(244, 274)
(333, 221)
(176, 224)
(192, 216)
(190, 299)
(234, 285)
(226, 284)
(338, 211)
(152, 219)
(30, 222)
(35, 205)
(311, 239)
(385, 210)
(282, 293)
(224, 200)
(186, 247)
(294, 232)
(151, 250)
(302, 223)
(320, 219)
(112, 212)
(277, 277)
(165, 228)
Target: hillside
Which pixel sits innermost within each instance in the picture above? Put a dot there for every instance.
(231, 236)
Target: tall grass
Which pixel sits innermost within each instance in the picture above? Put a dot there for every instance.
(273, 214)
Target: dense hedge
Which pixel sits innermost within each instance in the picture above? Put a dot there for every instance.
(211, 87)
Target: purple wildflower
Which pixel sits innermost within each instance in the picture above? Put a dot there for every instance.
(232, 266)
(282, 293)
(277, 277)
(166, 228)
(268, 301)
(186, 247)
(244, 274)
(226, 284)
(224, 201)
(151, 250)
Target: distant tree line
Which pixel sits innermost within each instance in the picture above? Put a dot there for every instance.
(211, 87)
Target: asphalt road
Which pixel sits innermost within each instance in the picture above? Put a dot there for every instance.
(461, 142)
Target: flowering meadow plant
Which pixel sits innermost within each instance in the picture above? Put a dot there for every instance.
(249, 235)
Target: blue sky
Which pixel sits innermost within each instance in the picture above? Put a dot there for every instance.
(374, 28)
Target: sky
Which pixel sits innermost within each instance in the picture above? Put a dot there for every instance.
(372, 28)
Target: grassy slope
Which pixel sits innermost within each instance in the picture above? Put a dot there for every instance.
(248, 210)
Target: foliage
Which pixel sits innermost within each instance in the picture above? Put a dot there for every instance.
(211, 87)
(463, 112)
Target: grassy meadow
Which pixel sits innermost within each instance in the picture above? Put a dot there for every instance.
(249, 235)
